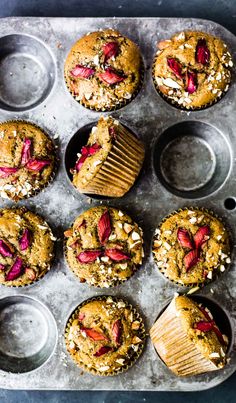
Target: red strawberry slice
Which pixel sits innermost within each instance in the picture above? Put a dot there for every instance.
(81, 316)
(201, 236)
(37, 165)
(7, 171)
(82, 71)
(204, 326)
(175, 66)
(86, 151)
(191, 259)
(93, 334)
(15, 271)
(25, 240)
(94, 148)
(5, 251)
(110, 49)
(116, 255)
(202, 54)
(184, 238)
(102, 350)
(116, 331)
(110, 76)
(104, 227)
(80, 162)
(2, 267)
(191, 82)
(89, 256)
(25, 155)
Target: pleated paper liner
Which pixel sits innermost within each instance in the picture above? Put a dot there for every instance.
(121, 168)
(97, 284)
(175, 348)
(16, 283)
(55, 160)
(216, 273)
(136, 354)
(172, 102)
(123, 102)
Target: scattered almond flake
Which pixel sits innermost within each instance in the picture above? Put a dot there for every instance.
(120, 361)
(120, 225)
(89, 200)
(220, 251)
(116, 122)
(14, 133)
(103, 369)
(127, 95)
(98, 162)
(98, 260)
(159, 81)
(105, 259)
(133, 244)
(222, 268)
(214, 355)
(56, 136)
(102, 266)
(83, 333)
(188, 46)
(123, 266)
(94, 129)
(120, 214)
(181, 47)
(157, 231)
(194, 289)
(157, 243)
(223, 256)
(164, 251)
(106, 285)
(214, 91)
(169, 82)
(134, 347)
(88, 95)
(109, 270)
(109, 300)
(120, 304)
(43, 227)
(211, 290)
(142, 252)
(167, 245)
(219, 237)
(136, 340)
(167, 232)
(53, 238)
(231, 63)
(96, 60)
(112, 237)
(228, 260)
(193, 220)
(128, 228)
(135, 236)
(180, 37)
(191, 212)
(135, 325)
(199, 220)
(72, 344)
(160, 263)
(209, 275)
(218, 76)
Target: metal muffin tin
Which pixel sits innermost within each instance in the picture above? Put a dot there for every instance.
(201, 173)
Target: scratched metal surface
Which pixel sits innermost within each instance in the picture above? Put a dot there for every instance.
(148, 202)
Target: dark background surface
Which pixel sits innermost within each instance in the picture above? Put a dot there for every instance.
(223, 12)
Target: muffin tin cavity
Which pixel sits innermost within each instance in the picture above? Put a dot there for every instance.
(192, 159)
(27, 72)
(28, 334)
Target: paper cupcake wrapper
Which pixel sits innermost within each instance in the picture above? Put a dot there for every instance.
(175, 348)
(216, 273)
(121, 168)
(98, 284)
(178, 106)
(135, 356)
(119, 105)
(55, 162)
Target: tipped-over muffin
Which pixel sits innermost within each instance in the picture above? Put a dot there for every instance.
(104, 246)
(191, 246)
(27, 160)
(110, 162)
(103, 70)
(187, 338)
(192, 70)
(26, 246)
(105, 335)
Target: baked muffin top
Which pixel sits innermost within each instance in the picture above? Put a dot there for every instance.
(103, 70)
(192, 69)
(104, 246)
(26, 246)
(201, 328)
(105, 336)
(27, 159)
(190, 246)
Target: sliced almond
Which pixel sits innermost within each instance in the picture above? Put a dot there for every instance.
(127, 228)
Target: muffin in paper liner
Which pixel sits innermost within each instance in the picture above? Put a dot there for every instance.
(195, 248)
(30, 173)
(199, 61)
(27, 252)
(184, 338)
(111, 161)
(115, 351)
(104, 71)
(104, 247)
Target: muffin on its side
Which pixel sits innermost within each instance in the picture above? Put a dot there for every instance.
(104, 246)
(192, 70)
(105, 335)
(104, 70)
(187, 338)
(110, 162)
(191, 246)
(26, 247)
(27, 160)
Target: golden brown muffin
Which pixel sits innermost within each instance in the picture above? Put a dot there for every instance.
(105, 335)
(103, 70)
(187, 338)
(104, 246)
(110, 162)
(26, 247)
(191, 246)
(192, 69)
(27, 160)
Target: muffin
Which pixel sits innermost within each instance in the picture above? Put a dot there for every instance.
(104, 70)
(26, 247)
(191, 246)
(187, 338)
(105, 335)
(192, 70)
(104, 246)
(27, 160)
(110, 162)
